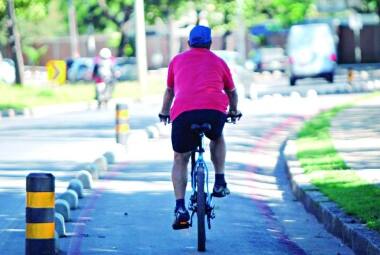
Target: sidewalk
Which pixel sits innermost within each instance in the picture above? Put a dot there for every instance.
(355, 134)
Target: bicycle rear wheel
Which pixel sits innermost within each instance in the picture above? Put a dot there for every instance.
(201, 209)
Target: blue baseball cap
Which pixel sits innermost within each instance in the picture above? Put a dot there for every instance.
(200, 36)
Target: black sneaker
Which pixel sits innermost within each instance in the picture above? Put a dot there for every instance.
(220, 191)
(181, 220)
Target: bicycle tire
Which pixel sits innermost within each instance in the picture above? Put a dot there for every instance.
(201, 209)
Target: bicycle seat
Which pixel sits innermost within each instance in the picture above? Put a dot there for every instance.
(201, 128)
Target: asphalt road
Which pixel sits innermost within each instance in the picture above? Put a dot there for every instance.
(61, 144)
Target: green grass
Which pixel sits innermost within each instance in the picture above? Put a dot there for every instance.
(330, 173)
(20, 97)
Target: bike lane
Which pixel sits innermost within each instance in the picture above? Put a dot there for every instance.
(131, 210)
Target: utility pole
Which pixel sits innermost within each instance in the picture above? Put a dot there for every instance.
(14, 42)
(73, 30)
(141, 55)
(356, 24)
(241, 30)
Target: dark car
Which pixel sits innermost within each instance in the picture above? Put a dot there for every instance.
(81, 69)
(270, 59)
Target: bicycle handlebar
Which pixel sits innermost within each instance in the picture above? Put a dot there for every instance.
(231, 118)
(164, 118)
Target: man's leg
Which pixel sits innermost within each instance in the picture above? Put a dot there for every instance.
(218, 158)
(218, 154)
(179, 174)
(179, 179)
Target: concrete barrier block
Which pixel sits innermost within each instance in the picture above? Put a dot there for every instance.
(101, 164)
(93, 170)
(312, 93)
(295, 94)
(152, 132)
(110, 157)
(77, 186)
(59, 225)
(62, 207)
(71, 197)
(86, 178)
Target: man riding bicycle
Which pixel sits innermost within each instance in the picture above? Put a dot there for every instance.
(202, 87)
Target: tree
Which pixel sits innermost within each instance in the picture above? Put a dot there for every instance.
(285, 12)
(112, 16)
(222, 17)
(29, 11)
(372, 6)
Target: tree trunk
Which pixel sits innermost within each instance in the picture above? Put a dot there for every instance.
(224, 39)
(123, 42)
(14, 42)
(198, 16)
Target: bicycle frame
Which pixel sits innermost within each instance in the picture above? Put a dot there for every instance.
(198, 162)
(200, 200)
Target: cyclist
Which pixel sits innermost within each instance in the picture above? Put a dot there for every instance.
(103, 75)
(202, 87)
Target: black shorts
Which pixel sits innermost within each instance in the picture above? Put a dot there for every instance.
(184, 140)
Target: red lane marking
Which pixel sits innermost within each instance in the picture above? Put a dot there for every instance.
(263, 207)
(76, 241)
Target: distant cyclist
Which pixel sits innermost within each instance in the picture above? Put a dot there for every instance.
(202, 88)
(103, 75)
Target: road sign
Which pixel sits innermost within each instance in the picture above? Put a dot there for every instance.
(56, 71)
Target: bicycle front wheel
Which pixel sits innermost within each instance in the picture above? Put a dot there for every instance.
(201, 209)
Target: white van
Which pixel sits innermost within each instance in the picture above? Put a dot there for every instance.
(312, 52)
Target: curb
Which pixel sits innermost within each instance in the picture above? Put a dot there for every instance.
(347, 228)
(361, 87)
(70, 199)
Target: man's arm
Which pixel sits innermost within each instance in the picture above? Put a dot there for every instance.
(233, 101)
(167, 101)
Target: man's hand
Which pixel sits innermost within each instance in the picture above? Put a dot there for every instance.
(164, 117)
(167, 102)
(233, 116)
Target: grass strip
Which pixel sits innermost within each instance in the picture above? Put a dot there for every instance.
(329, 172)
(20, 97)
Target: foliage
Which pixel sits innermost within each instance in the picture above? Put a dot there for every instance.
(285, 12)
(31, 10)
(32, 22)
(34, 54)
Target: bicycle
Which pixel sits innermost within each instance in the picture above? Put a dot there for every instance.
(201, 201)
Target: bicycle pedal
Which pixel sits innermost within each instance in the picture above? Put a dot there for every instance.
(181, 225)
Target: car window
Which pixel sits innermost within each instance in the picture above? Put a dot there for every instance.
(317, 37)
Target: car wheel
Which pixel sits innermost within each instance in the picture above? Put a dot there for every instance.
(292, 81)
(330, 77)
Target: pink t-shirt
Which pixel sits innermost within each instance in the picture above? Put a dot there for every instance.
(199, 79)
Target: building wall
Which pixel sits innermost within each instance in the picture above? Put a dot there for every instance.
(369, 44)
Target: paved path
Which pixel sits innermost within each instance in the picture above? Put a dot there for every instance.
(356, 135)
(261, 217)
(132, 209)
(61, 144)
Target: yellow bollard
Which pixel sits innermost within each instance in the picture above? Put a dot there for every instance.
(40, 209)
(350, 76)
(122, 126)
